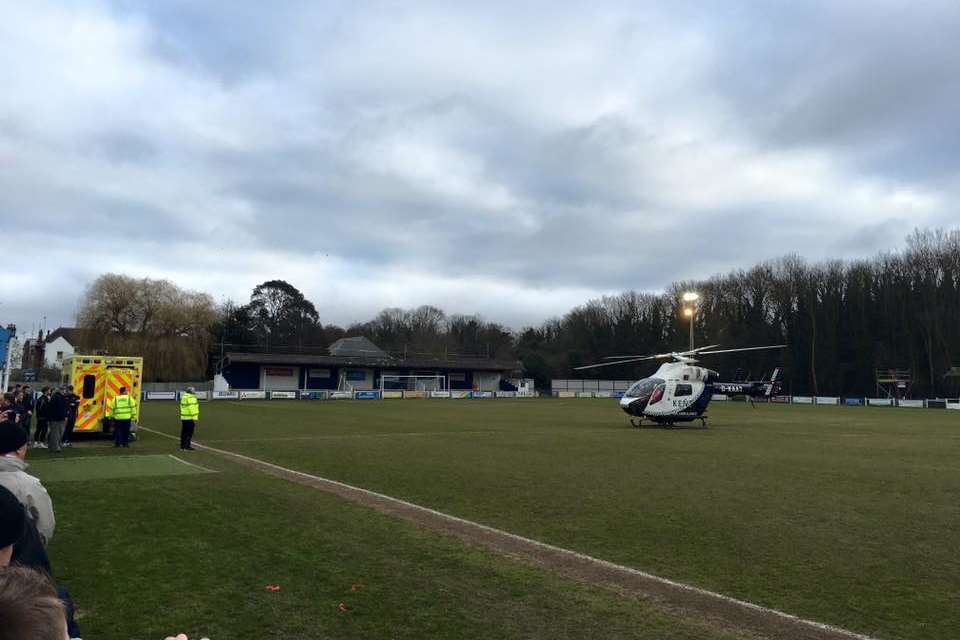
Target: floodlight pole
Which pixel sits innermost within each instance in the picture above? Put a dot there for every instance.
(691, 297)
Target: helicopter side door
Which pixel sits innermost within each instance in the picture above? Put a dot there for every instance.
(674, 396)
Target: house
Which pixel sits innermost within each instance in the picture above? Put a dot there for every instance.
(60, 344)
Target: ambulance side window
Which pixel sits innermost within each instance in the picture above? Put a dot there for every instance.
(683, 390)
(89, 386)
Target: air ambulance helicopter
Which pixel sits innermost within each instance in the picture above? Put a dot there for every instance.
(680, 391)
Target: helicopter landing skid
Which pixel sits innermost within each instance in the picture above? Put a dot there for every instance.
(638, 423)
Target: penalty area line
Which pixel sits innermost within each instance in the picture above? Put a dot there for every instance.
(670, 594)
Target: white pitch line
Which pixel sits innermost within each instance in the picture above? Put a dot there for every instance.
(105, 456)
(191, 464)
(546, 546)
(347, 436)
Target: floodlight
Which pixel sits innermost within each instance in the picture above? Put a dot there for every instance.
(691, 296)
(687, 311)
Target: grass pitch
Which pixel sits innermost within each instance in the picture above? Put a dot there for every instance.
(840, 514)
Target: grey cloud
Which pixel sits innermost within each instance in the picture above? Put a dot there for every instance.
(878, 85)
(603, 148)
(123, 147)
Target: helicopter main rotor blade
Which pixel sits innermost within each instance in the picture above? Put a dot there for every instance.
(772, 346)
(697, 350)
(628, 361)
(647, 356)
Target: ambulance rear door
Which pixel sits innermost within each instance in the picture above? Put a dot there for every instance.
(88, 379)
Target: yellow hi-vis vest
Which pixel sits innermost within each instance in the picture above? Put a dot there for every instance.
(121, 408)
(189, 407)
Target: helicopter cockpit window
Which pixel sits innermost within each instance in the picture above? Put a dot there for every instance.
(683, 390)
(657, 393)
(643, 388)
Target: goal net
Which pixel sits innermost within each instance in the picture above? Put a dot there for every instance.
(390, 382)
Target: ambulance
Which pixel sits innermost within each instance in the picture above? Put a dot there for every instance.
(97, 380)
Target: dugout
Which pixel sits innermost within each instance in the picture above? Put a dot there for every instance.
(358, 364)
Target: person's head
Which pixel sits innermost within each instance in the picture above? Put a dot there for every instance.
(13, 440)
(191, 390)
(12, 520)
(45, 390)
(29, 606)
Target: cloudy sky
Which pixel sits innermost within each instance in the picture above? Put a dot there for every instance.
(507, 158)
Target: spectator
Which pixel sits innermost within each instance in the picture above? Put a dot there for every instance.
(57, 410)
(29, 606)
(19, 541)
(13, 519)
(26, 421)
(28, 489)
(73, 407)
(7, 412)
(20, 545)
(18, 406)
(40, 409)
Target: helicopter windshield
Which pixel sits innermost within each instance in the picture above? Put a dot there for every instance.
(643, 388)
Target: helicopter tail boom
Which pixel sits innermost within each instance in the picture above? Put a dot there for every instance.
(754, 389)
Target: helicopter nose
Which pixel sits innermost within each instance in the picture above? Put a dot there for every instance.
(633, 406)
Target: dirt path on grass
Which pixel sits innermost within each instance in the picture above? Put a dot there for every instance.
(715, 610)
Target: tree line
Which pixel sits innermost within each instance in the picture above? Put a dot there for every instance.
(841, 321)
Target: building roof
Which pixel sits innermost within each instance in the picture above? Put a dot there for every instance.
(386, 362)
(70, 334)
(356, 347)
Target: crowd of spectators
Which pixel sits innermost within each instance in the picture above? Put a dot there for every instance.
(54, 411)
(32, 605)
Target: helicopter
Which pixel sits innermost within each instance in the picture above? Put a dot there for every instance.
(679, 391)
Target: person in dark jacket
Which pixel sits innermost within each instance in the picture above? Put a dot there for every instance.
(7, 412)
(20, 545)
(18, 531)
(57, 410)
(40, 409)
(26, 418)
(73, 407)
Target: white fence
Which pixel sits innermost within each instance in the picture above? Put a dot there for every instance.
(374, 394)
(590, 385)
(366, 394)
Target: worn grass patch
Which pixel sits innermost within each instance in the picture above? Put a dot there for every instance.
(111, 467)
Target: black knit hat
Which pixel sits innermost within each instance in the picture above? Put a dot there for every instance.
(12, 437)
(12, 515)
